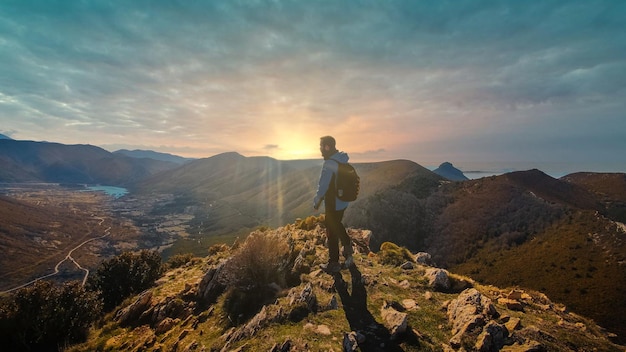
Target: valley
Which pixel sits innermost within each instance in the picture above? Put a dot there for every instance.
(60, 233)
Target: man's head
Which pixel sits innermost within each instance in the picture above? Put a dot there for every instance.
(327, 146)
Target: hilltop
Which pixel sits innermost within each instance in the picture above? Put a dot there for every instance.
(391, 301)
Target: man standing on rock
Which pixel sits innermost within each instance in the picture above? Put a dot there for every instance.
(333, 206)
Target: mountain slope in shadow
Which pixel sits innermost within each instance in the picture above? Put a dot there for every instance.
(28, 161)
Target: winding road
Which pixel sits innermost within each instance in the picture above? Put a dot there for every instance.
(67, 257)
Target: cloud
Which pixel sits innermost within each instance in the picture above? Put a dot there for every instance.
(418, 79)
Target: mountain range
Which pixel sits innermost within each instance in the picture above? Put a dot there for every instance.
(564, 237)
(28, 161)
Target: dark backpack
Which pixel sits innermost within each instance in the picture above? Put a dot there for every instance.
(347, 182)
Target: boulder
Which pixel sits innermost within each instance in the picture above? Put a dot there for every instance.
(171, 307)
(424, 258)
(131, 313)
(438, 279)
(511, 304)
(518, 294)
(513, 324)
(210, 288)
(492, 338)
(396, 322)
(470, 311)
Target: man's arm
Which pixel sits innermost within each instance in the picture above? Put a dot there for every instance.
(323, 184)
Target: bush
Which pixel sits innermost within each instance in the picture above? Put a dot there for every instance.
(45, 317)
(392, 254)
(180, 260)
(262, 260)
(217, 248)
(125, 275)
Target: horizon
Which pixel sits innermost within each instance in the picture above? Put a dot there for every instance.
(466, 80)
(473, 169)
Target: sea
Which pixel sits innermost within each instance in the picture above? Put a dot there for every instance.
(476, 170)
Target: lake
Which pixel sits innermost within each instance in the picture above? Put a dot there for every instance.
(109, 190)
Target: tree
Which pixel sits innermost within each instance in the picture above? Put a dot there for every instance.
(125, 275)
(46, 317)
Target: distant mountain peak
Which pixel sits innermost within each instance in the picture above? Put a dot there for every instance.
(5, 137)
(448, 171)
(227, 156)
(150, 154)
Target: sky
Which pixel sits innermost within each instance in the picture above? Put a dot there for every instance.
(430, 81)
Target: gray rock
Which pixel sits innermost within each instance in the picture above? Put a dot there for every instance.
(210, 288)
(424, 258)
(470, 311)
(492, 338)
(135, 309)
(438, 279)
(395, 321)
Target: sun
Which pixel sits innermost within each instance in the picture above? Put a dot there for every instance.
(293, 143)
(294, 149)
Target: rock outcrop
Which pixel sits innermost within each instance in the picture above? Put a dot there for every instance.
(422, 307)
(470, 312)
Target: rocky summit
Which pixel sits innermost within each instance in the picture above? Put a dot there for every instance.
(267, 293)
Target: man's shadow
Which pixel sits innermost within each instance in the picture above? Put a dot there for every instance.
(377, 336)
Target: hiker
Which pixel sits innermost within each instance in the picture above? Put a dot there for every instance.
(333, 206)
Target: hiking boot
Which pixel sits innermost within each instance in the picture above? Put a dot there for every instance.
(331, 268)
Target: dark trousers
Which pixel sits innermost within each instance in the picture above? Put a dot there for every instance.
(335, 231)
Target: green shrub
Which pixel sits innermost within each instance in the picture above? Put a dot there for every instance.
(46, 317)
(125, 275)
(392, 254)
